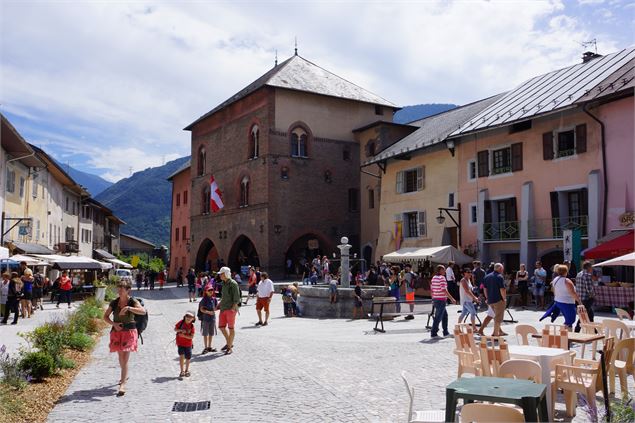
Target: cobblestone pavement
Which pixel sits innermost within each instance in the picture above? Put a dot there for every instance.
(293, 370)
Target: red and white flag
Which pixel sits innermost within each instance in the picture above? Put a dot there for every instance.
(215, 197)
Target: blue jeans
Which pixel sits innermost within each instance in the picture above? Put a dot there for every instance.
(440, 316)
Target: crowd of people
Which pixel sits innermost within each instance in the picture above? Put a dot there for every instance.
(21, 293)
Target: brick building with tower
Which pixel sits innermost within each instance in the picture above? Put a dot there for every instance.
(283, 153)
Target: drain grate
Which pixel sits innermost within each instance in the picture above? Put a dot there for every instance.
(185, 407)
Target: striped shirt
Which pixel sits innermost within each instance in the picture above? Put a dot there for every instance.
(438, 286)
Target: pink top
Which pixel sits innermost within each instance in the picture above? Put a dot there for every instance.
(438, 286)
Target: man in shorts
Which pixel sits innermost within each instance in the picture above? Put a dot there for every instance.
(265, 291)
(229, 302)
(496, 297)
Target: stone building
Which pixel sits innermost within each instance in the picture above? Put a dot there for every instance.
(180, 223)
(283, 153)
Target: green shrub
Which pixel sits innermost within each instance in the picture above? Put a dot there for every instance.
(111, 293)
(80, 341)
(12, 375)
(66, 363)
(49, 338)
(37, 364)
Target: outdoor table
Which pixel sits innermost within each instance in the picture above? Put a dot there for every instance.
(545, 357)
(613, 296)
(524, 393)
(578, 337)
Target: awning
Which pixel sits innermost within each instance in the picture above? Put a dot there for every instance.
(30, 248)
(30, 261)
(625, 260)
(4, 253)
(442, 255)
(103, 254)
(614, 248)
(74, 262)
(120, 263)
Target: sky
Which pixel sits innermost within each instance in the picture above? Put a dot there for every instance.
(107, 87)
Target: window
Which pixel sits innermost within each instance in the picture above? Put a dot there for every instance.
(244, 192)
(22, 181)
(298, 142)
(346, 154)
(284, 173)
(70, 234)
(566, 144)
(410, 180)
(501, 161)
(50, 234)
(371, 198)
(178, 199)
(11, 181)
(202, 159)
(574, 203)
(353, 203)
(379, 111)
(37, 229)
(74, 208)
(254, 142)
(67, 204)
(183, 233)
(176, 234)
(471, 170)
(473, 214)
(185, 197)
(34, 193)
(205, 200)
(371, 147)
(451, 199)
(414, 224)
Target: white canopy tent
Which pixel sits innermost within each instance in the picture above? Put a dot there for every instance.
(625, 260)
(74, 262)
(30, 261)
(120, 263)
(442, 255)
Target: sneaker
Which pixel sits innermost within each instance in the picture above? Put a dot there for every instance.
(446, 333)
(434, 336)
(58, 306)
(14, 323)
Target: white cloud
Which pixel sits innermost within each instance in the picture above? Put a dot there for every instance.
(122, 75)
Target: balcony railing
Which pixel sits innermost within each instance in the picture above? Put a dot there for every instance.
(552, 228)
(499, 231)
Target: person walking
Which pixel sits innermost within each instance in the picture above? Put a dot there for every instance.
(229, 303)
(264, 291)
(394, 287)
(467, 298)
(191, 285)
(161, 279)
(451, 279)
(66, 286)
(12, 296)
(207, 316)
(179, 277)
(358, 306)
(496, 296)
(478, 275)
(440, 295)
(565, 297)
(540, 281)
(585, 290)
(408, 280)
(38, 291)
(4, 292)
(252, 289)
(123, 335)
(184, 329)
(27, 293)
(522, 278)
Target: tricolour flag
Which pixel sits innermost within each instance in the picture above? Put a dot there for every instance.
(215, 198)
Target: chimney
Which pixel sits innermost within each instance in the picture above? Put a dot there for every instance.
(587, 56)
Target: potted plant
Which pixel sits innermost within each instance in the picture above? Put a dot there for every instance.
(100, 290)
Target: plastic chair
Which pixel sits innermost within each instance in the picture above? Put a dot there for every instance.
(622, 364)
(478, 412)
(494, 352)
(581, 378)
(615, 328)
(420, 416)
(608, 349)
(523, 333)
(521, 369)
(622, 314)
(555, 336)
(592, 329)
(464, 338)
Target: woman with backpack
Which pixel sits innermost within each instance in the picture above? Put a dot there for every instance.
(123, 336)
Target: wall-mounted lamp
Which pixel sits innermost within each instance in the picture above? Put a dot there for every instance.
(450, 145)
(277, 229)
(262, 228)
(440, 218)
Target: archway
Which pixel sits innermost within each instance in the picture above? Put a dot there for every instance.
(243, 253)
(367, 254)
(303, 250)
(207, 256)
(550, 259)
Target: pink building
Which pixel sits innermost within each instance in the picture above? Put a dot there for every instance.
(180, 228)
(532, 163)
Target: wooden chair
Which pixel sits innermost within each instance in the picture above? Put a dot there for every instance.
(420, 416)
(622, 364)
(524, 332)
(494, 352)
(622, 314)
(615, 328)
(581, 378)
(466, 350)
(479, 412)
(521, 369)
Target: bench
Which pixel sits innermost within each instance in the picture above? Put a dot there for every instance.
(385, 308)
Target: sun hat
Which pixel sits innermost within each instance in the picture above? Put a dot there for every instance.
(226, 271)
(189, 313)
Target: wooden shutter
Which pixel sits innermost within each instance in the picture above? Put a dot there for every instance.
(584, 202)
(483, 163)
(421, 174)
(555, 207)
(580, 139)
(517, 157)
(547, 146)
(488, 211)
(399, 187)
(423, 230)
(512, 215)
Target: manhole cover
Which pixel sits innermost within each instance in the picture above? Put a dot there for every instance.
(185, 407)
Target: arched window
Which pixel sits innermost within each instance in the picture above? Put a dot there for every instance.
(205, 200)
(244, 192)
(254, 142)
(202, 158)
(299, 139)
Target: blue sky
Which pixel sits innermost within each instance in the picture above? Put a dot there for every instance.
(108, 87)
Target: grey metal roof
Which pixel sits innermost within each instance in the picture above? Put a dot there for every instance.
(434, 129)
(136, 238)
(31, 248)
(620, 80)
(103, 253)
(185, 166)
(547, 93)
(297, 73)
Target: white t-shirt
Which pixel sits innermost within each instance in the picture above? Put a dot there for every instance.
(449, 274)
(265, 288)
(465, 297)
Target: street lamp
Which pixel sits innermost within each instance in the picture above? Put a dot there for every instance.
(450, 145)
(441, 219)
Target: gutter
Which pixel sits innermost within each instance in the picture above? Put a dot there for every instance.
(605, 178)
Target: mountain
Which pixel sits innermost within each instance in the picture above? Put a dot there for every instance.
(143, 201)
(93, 183)
(419, 111)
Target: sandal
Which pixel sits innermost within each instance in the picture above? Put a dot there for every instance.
(224, 348)
(228, 351)
(181, 374)
(121, 392)
(187, 374)
(212, 350)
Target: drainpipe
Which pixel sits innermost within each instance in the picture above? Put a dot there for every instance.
(605, 178)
